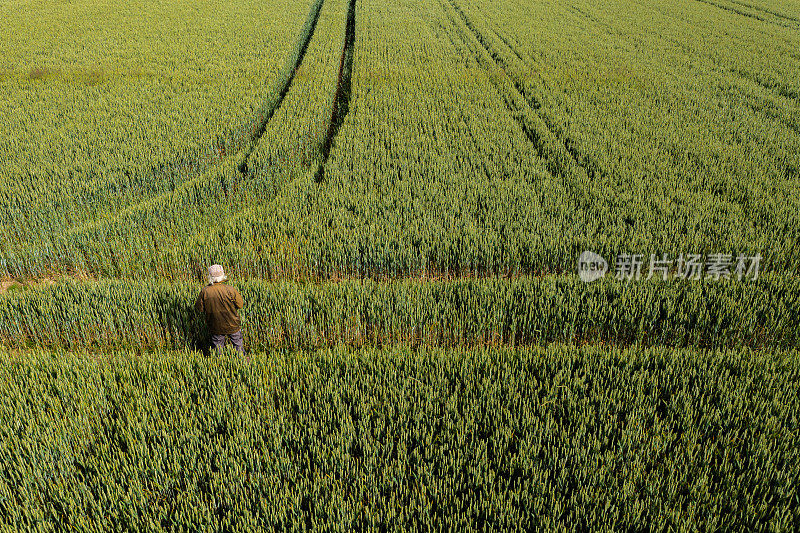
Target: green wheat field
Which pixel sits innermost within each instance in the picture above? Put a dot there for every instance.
(401, 190)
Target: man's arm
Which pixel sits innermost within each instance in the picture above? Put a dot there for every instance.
(198, 304)
(239, 301)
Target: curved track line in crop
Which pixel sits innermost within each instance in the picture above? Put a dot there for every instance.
(790, 22)
(511, 47)
(291, 68)
(770, 85)
(341, 99)
(777, 14)
(197, 169)
(532, 136)
(533, 101)
(571, 156)
(763, 106)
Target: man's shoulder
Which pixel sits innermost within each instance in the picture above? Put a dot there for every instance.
(231, 289)
(220, 288)
(209, 291)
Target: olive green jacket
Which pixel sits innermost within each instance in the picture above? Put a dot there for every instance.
(221, 303)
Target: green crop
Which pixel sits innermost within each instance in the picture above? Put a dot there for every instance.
(520, 311)
(564, 437)
(107, 106)
(477, 142)
(400, 190)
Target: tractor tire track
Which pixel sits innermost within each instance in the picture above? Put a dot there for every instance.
(289, 71)
(763, 105)
(561, 157)
(582, 160)
(510, 47)
(776, 14)
(462, 49)
(201, 186)
(512, 104)
(770, 85)
(783, 20)
(344, 84)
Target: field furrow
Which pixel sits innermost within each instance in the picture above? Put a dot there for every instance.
(293, 63)
(763, 15)
(341, 99)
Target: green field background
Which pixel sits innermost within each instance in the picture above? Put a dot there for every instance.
(401, 191)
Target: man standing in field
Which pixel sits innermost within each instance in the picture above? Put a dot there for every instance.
(221, 303)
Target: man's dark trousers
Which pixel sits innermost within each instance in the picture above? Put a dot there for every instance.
(218, 341)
